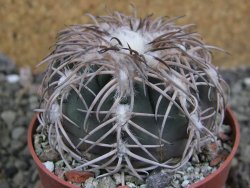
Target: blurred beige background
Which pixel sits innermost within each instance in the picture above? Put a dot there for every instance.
(28, 27)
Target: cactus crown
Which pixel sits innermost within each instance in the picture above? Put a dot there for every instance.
(130, 95)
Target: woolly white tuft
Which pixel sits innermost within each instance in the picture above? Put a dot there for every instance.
(122, 148)
(123, 76)
(54, 113)
(196, 120)
(122, 113)
(137, 42)
(66, 74)
(127, 37)
(123, 83)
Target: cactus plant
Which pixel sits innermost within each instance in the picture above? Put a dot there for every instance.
(130, 95)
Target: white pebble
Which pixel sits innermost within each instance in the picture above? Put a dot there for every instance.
(49, 165)
(175, 183)
(190, 169)
(185, 183)
(177, 176)
(197, 169)
(247, 81)
(132, 185)
(12, 78)
(196, 173)
(185, 177)
(89, 183)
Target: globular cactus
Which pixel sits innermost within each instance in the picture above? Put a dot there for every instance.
(129, 95)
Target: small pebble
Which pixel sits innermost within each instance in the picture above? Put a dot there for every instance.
(18, 179)
(49, 165)
(16, 146)
(49, 154)
(185, 183)
(175, 183)
(235, 162)
(11, 171)
(38, 150)
(133, 179)
(89, 183)
(201, 178)
(77, 176)
(190, 169)
(8, 116)
(59, 172)
(60, 163)
(131, 185)
(177, 176)
(4, 184)
(197, 169)
(185, 177)
(106, 182)
(44, 144)
(246, 82)
(12, 78)
(20, 164)
(18, 132)
(6, 64)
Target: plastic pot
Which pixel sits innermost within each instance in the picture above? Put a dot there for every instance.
(214, 180)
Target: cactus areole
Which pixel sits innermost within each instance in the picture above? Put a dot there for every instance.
(130, 95)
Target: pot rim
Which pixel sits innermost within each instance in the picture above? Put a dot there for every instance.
(224, 164)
